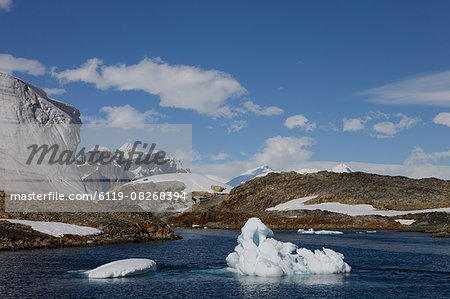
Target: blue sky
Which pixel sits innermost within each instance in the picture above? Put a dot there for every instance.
(287, 83)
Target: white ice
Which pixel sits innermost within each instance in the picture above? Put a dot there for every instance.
(352, 210)
(123, 268)
(260, 255)
(319, 232)
(405, 221)
(339, 168)
(58, 229)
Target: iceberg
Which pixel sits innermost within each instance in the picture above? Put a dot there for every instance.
(258, 254)
(123, 268)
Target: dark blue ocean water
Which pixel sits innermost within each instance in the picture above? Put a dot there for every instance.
(384, 265)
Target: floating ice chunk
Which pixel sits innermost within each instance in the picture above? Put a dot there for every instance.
(260, 255)
(319, 232)
(328, 232)
(123, 268)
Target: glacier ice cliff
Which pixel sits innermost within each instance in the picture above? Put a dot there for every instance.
(28, 116)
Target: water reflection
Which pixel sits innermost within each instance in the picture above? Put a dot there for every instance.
(325, 279)
(251, 286)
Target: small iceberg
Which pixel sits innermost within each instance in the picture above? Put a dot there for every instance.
(319, 232)
(123, 268)
(257, 254)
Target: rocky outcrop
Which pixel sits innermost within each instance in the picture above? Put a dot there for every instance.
(284, 221)
(382, 192)
(429, 223)
(117, 227)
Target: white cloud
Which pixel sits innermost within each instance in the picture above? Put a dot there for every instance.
(180, 86)
(237, 125)
(299, 121)
(386, 127)
(125, 117)
(258, 110)
(10, 64)
(418, 156)
(442, 118)
(353, 124)
(281, 152)
(6, 5)
(54, 91)
(218, 156)
(389, 129)
(425, 89)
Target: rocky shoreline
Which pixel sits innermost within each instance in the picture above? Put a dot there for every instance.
(231, 211)
(382, 192)
(116, 227)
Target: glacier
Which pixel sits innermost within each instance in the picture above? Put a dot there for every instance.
(258, 254)
(28, 116)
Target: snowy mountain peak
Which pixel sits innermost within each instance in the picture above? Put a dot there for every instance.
(250, 174)
(126, 147)
(341, 168)
(100, 149)
(258, 170)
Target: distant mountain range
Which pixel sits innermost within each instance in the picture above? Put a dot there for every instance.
(265, 169)
(100, 177)
(28, 116)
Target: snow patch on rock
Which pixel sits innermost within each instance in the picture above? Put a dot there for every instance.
(352, 210)
(58, 229)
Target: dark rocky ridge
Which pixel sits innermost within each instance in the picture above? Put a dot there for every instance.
(383, 192)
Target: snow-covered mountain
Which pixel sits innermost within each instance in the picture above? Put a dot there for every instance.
(250, 174)
(265, 169)
(171, 182)
(27, 117)
(193, 182)
(101, 177)
(339, 168)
